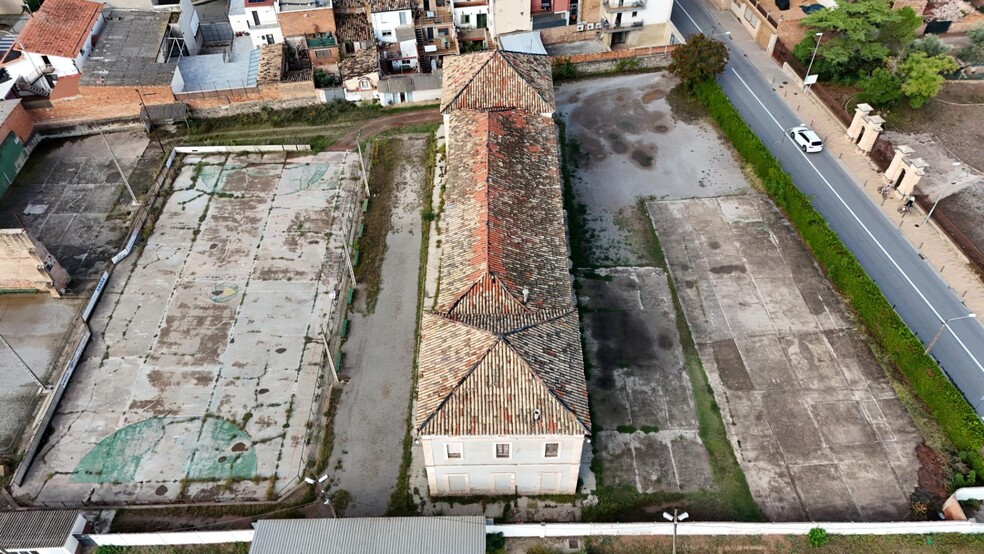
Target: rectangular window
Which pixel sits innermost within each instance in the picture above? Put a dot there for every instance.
(387, 33)
(465, 19)
(502, 450)
(403, 18)
(634, 14)
(454, 451)
(551, 450)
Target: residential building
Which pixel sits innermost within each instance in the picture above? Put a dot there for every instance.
(16, 130)
(257, 19)
(360, 76)
(309, 31)
(508, 16)
(42, 532)
(550, 13)
(46, 58)
(636, 22)
(392, 24)
(502, 404)
(371, 535)
(415, 88)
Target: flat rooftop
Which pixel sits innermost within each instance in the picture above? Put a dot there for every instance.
(205, 365)
(128, 51)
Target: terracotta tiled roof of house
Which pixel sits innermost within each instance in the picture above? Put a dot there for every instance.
(363, 62)
(524, 378)
(60, 27)
(498, 80)
(504, 216)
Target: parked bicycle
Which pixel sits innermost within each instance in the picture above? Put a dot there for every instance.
(885, 190)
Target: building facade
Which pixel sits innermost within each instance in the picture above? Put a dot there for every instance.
(502, 403)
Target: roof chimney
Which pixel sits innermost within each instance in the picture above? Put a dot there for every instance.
(536, 414)
(526, 295)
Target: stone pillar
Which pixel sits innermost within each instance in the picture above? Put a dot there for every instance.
(865, 128)
(913, 174)
(911, 170)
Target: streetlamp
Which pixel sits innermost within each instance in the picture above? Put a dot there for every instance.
(728, 33)
(676, 519)
(946, 322)
(813, 57)
(940, 197)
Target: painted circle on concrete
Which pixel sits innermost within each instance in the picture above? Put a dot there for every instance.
(223, 292)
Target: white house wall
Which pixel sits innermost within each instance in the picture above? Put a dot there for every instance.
(472, 12)
(388, 22)
(527, 471)
(507, 16)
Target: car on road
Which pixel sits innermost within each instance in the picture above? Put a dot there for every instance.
(807, 140)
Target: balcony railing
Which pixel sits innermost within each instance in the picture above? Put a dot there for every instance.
(612, 28)
(320, 40)
(615, 6)
(263, 26)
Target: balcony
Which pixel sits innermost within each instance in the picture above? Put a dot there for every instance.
(548, 20)
(616, 6)
(440, 46)
(607, 27)
(264, 26)
(320, 40)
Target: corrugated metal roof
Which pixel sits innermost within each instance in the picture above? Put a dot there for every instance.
(404, 535)
(32, 530)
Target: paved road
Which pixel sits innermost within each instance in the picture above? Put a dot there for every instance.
(919, 295)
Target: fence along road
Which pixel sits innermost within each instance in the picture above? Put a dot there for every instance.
(915, 289)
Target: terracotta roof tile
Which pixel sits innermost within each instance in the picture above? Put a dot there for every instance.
(525, 379)
(60, 27)
(498, 80)
(504, 216)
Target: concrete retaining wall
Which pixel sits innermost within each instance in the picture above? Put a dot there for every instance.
(726, 528)
(655, 57)
(257, 148)
(169, 539)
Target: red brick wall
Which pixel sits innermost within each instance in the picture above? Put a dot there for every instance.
(567, 33)
(617, 54)
(96, 103)
(309, 21)
(66, 87)
(19, 121)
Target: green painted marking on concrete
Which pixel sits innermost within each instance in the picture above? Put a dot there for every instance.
(223, 292)
(222, 451)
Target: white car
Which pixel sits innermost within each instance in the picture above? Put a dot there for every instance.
(807, 140)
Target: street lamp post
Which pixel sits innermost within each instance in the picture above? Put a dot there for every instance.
(813, 57)
(362, 163)
(946, 323)
(676, 519)
(940, 197)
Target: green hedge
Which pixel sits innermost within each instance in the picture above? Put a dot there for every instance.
(955, 416)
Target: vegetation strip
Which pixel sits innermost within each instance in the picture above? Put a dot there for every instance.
(947, 405)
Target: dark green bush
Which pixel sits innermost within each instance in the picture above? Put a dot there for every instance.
(817, 537)
(947, 405)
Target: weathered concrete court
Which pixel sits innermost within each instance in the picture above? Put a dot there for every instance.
(206, 357)
(815, 424)
(638, 382)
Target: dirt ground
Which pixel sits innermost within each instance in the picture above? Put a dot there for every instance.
(204, 368)
(812, 418)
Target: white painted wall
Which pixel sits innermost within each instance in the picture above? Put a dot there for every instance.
(188, 23)
(414, 96)
(388, 22)
(655, 12)
(506, 16)
(269, 25)
(526, 471)
(472, 13)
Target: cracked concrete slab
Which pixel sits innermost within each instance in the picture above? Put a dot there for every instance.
(638, 382)
(812, 418)
(205, 361)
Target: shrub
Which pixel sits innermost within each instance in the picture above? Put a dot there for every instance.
(564, 69)
(817, 537)
(495, 543)
(626, 429)
(881, 88)
(947, 405)
(627, 64)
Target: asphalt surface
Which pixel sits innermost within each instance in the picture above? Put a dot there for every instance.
(919, 295)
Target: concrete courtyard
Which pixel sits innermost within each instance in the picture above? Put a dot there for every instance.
(812, 418)
(205, 367)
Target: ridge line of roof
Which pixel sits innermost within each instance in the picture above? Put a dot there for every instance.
(461, 381)
(520, 73)
(471, 78)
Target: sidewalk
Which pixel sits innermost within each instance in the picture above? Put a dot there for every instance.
(932, 244)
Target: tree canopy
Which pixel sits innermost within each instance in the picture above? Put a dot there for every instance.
(700, 59)
(921, 76)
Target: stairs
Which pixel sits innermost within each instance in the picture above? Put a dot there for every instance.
(420, 36)
(34, 89)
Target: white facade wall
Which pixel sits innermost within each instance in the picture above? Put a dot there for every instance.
(268, 25)
(527, 471)
(188, 22)
(384, 24)
(472, 13)
(507, 16)
(414, 96)
(655, 12)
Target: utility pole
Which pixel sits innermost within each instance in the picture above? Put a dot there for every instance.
(944, 325)
(676, 519)
(120, 169)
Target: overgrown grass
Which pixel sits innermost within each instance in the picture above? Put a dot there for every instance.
(385, 154)
(789, 544)
(940, 397)
(401, 501)
(228, 548)
(316, 114)
(328, 435)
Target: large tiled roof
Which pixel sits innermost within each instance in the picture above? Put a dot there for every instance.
(504, 216)
(524, 378)
(127, 51)
(60, 27)
(498, 80)
(362, 62)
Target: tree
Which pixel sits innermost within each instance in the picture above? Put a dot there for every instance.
(973, 53)
(921, 79)
(699, 60)
(858, 35)
(931, 45)
(881, 88)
